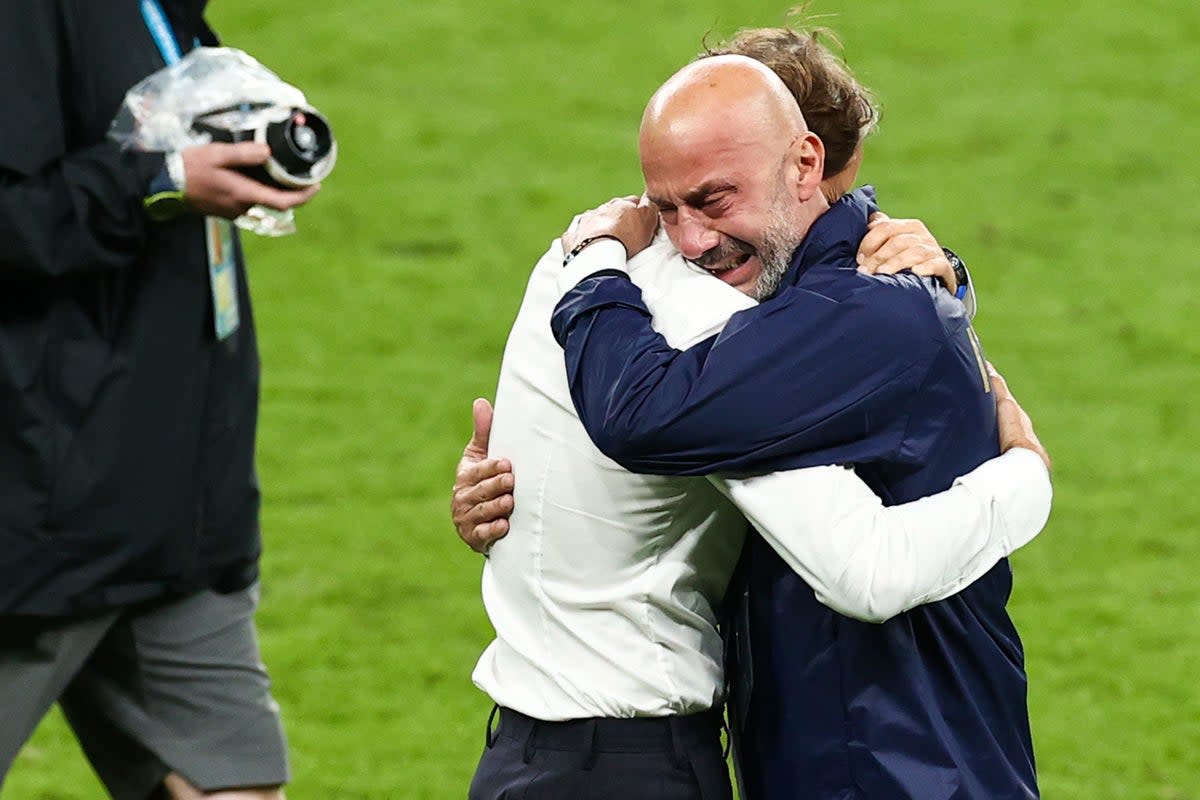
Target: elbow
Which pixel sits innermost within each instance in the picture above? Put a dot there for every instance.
(854, 608)
(865, 595)
(643, 440)
(622, 443)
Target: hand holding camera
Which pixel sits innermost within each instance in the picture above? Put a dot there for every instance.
(217, 182)
(239, 142)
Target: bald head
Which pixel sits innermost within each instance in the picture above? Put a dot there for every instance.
(732, 97)
(732, 168)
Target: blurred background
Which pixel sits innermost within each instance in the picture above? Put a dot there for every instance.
(1052, 144)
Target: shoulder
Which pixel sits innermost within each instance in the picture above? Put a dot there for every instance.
(900, 303)
(894, 313)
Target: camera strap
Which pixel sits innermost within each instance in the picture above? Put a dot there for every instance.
(161, 31)
(219, 238)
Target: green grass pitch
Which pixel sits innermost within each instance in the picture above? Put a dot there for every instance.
(1052, 144)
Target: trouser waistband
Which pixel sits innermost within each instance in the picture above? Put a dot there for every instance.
(609, 735)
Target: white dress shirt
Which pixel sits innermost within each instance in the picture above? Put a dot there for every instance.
(603, 593)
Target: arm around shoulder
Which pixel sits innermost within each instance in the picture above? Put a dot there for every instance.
(872, 562)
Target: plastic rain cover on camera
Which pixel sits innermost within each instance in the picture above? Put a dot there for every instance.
(157, 114)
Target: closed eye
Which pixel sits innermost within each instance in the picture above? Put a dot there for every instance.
(715, 205)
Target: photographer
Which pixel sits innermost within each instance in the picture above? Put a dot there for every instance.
(129, 532)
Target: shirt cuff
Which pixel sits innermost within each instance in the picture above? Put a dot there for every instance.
(596, 257)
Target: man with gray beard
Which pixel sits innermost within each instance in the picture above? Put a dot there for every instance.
(832, 367)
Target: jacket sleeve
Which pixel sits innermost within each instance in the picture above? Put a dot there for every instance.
(82, 213)
(64, 207)
(800, 380)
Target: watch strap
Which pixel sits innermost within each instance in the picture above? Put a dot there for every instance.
(577, 249)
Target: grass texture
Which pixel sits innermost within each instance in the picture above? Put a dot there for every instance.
(1051, 144)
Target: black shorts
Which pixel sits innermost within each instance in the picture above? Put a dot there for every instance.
(669, 758)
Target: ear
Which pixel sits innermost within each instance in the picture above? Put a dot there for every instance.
(808, 158)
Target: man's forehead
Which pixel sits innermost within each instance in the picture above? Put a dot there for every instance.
(690, 169)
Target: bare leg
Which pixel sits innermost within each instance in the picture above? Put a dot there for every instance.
(180, 789)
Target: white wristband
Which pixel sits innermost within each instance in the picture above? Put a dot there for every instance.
(176, 171)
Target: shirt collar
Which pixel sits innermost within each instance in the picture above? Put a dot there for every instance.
(834, 237)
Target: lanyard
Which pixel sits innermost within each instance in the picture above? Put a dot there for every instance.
(160, 30)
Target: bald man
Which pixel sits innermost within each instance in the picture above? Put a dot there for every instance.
(733, 113)
(831, 367)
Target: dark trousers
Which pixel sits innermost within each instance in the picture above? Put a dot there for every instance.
(671, 758)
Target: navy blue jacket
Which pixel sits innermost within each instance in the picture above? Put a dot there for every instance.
(838, 367)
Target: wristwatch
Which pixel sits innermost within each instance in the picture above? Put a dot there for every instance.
(164, 198)
(960, 272)
(965, 291)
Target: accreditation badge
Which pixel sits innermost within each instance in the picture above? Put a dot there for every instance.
(222, 275)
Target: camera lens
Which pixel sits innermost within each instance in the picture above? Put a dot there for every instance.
(304, 139)
(301, 144)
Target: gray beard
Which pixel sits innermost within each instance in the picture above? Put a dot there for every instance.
(779, 241)
(775, 255)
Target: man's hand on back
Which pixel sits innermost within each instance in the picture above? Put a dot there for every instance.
(892, 245)
(632, 220)
(482, 499)
(1016, 429)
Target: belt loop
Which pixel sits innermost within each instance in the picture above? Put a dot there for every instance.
(678, 753)
(593, 747)
(488, 738)
(527, 751)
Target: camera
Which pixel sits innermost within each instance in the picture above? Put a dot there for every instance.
(303, 148)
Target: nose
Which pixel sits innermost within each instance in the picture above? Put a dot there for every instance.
(692, 234)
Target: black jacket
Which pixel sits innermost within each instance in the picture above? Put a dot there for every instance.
(126, 428)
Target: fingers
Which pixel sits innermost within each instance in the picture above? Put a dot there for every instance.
(921, 259)
(482, 502)
(230, 194)
(1002, 393)
(482, 537)
(260, 194)
(895, 245)
(238, 154)
(910, 252)
(878, 232)
(881, 228)
(881, 220)
(629, 219)
(938, 266)
(485, 513)
(901, 253)
(472, 494)
(1016, 428)
(999, 385)
(215, 186)
(472, 472)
